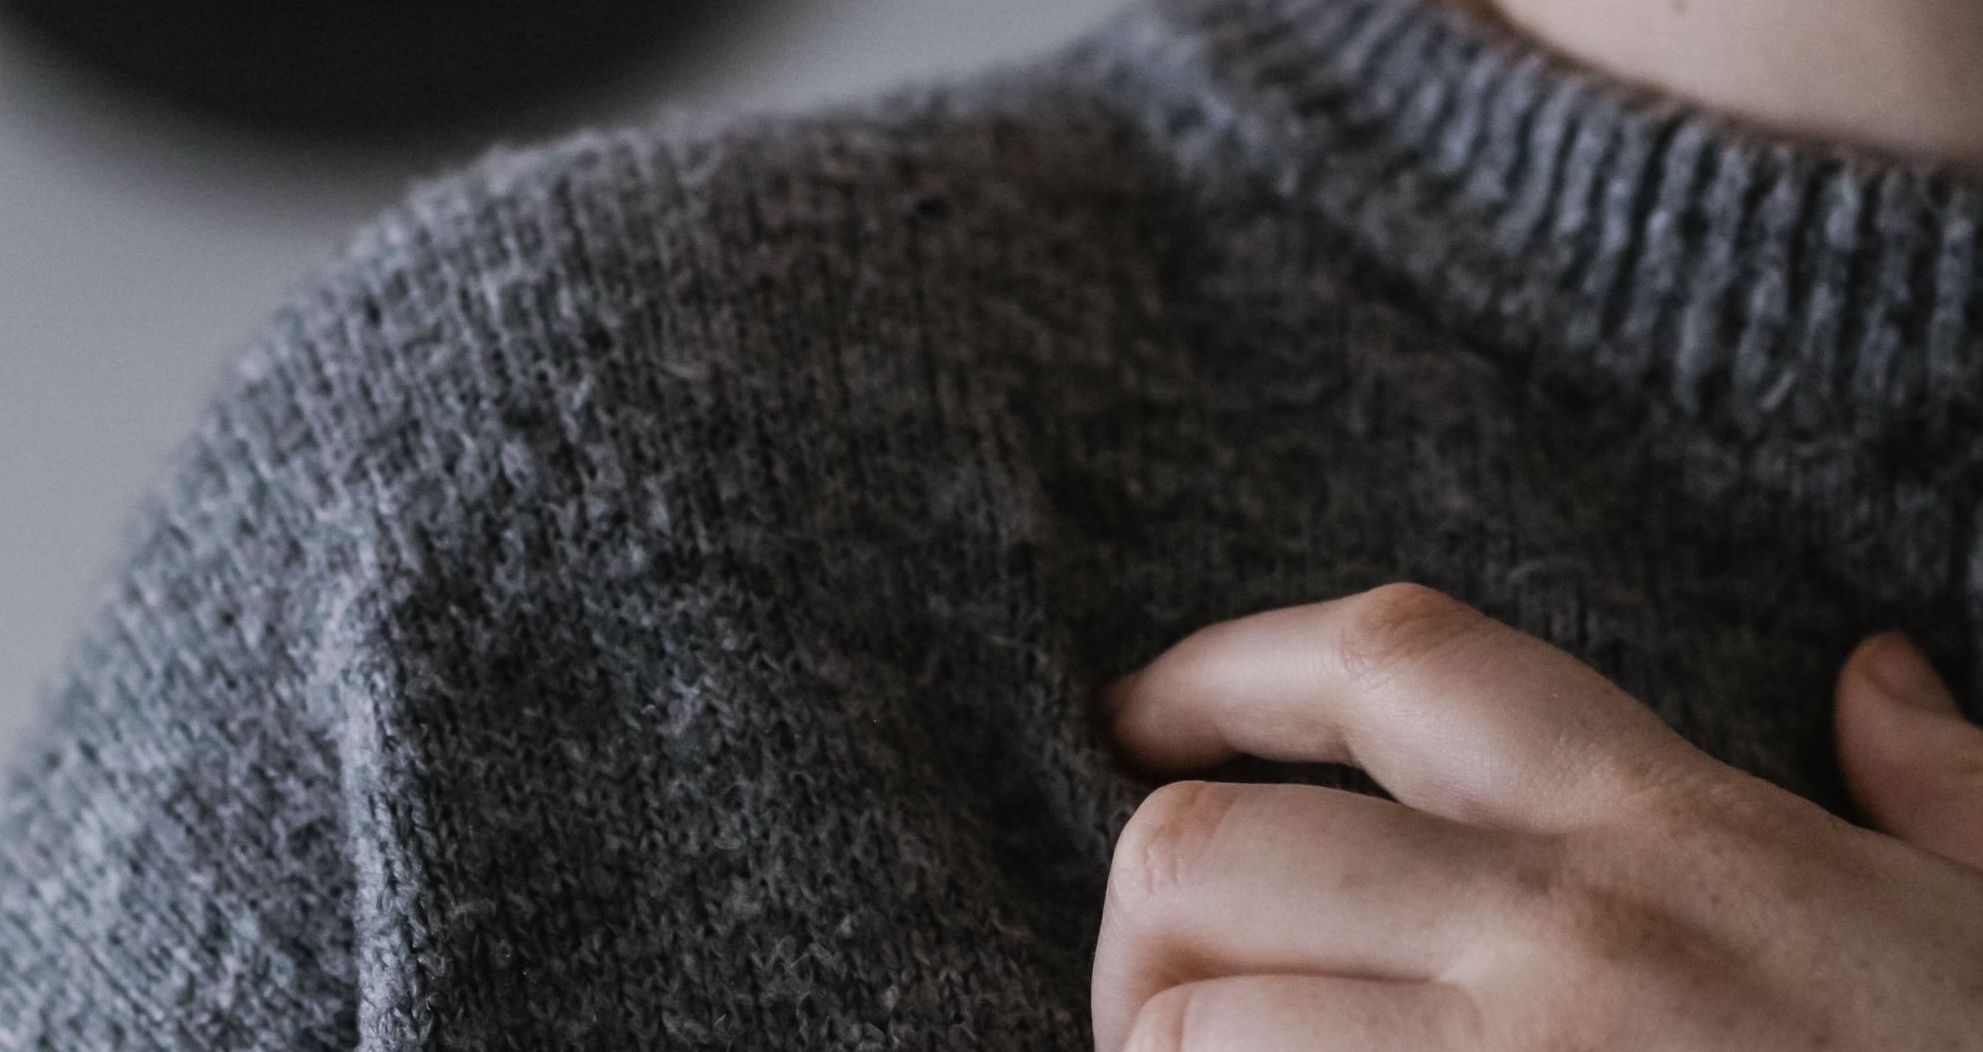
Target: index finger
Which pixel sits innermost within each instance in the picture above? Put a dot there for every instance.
(1451, 711)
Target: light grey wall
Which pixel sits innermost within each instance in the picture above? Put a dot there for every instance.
(137, 252)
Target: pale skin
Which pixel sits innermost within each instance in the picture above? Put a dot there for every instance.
(1897, 77)
(1559, 872)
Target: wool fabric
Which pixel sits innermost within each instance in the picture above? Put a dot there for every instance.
(649, 591)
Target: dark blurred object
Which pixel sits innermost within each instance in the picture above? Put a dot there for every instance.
(353, 68)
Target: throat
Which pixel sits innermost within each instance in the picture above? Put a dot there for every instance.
(1900, 77)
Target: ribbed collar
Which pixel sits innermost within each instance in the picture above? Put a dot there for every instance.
(1588, 232)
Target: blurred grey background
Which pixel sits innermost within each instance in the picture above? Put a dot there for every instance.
(139, 249)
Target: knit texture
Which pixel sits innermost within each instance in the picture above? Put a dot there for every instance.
(649, 593)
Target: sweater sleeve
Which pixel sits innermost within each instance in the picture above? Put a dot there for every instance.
(173, 871)
(187, 844)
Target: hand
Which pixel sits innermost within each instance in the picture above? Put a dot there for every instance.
(1561, 871)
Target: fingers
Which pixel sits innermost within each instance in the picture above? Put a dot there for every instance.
(1913, 763)
(1213, 879)
(1450, 710)
(1287, 1013)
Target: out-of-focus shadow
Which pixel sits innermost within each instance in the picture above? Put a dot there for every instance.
(306, 168)
(359, 72)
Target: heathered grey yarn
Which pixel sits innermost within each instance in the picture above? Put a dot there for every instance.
(649, 593)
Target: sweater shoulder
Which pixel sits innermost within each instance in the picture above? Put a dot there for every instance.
(612, 273)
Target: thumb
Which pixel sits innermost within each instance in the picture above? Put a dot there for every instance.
(1912, 762)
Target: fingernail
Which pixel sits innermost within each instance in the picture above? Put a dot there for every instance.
(1904, 674)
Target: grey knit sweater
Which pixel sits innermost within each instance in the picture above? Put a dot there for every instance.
(648, 594)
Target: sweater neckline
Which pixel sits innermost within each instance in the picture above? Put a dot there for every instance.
(1588, 232)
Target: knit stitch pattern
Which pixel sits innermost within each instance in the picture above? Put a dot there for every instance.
(648, 592)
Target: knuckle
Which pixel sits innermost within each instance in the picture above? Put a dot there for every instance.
(1164, 840)
(1395, 624)
(1164, 1022)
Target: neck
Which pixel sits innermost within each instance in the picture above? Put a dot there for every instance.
(1899, 76)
